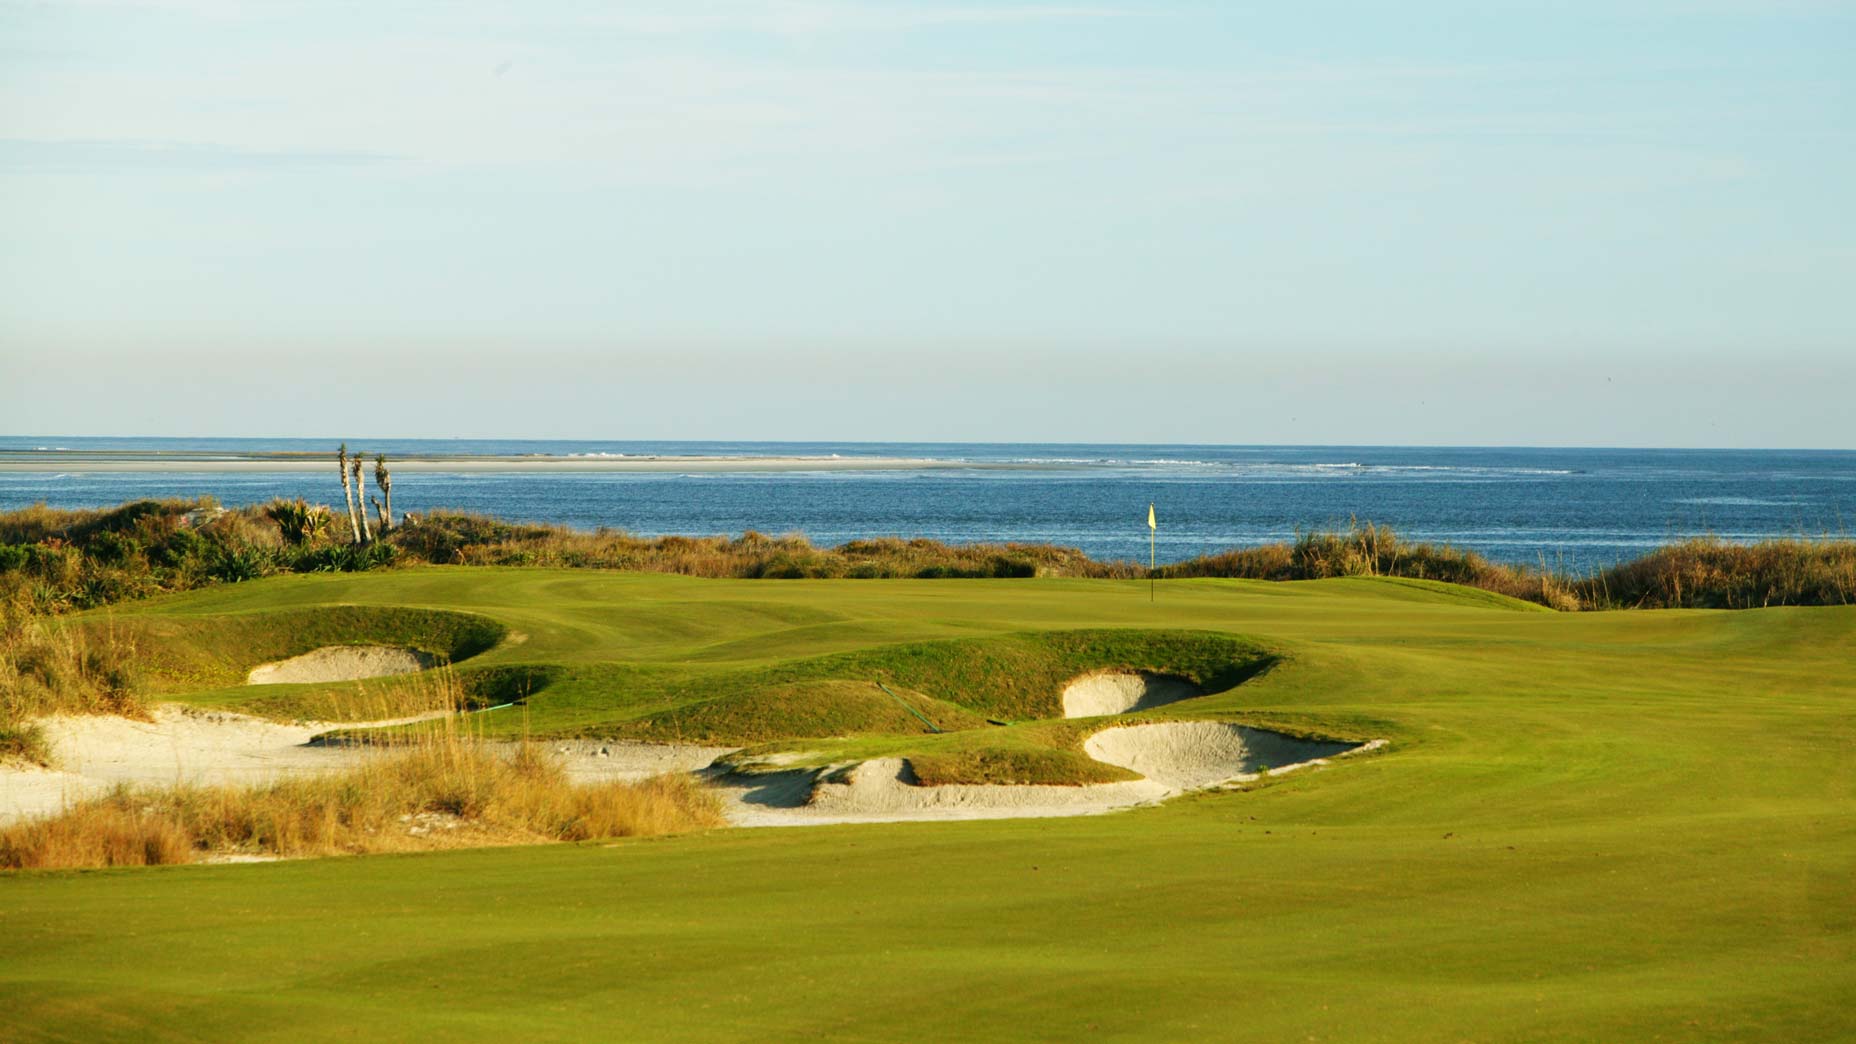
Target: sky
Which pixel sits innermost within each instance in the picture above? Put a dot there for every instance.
(1621, 223)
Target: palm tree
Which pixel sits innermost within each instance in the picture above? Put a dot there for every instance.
(341, 463)
(385, 482)
(367, 533)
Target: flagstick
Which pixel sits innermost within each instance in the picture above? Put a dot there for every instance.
(1151, 532)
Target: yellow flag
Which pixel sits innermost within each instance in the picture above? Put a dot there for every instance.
(1150, 518)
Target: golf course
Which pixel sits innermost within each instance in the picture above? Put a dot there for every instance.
(1624, 825)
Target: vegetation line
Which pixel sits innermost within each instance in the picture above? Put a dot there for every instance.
(61, 560)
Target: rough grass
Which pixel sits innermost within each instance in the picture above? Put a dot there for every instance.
(794, 709)
(47, 668)
(1013, 765)
(447, 791)
(1715, 574)
(64, 560)
(1366, 549)
(192, 653)
(1021, 676)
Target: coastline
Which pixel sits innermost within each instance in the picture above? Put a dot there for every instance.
(129, 461)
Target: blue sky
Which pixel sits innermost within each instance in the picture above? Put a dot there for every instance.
(1624, 223)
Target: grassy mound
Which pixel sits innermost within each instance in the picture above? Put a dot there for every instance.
(958, 684)
(1013, 766)
(1021, 676)
(814, 708)
(182, 652)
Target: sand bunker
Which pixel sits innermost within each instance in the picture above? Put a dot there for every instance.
(188, 746)
(1119, 692)
(342, 663)
(1173, 758)
(1189, 755)
(595, 761)
(179, 746)
(885, 788)
(207, 748)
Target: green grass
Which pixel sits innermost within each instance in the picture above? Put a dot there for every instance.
(1596, 826)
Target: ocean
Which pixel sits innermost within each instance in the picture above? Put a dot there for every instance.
(1574, 509)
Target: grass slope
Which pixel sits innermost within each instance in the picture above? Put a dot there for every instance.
(1591, 826)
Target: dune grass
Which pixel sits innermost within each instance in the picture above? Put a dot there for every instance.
(79, 559)
(441, 785)
(1592, 826)
(46, 668)
(419, 798)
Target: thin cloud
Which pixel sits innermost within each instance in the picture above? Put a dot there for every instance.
(26, 155)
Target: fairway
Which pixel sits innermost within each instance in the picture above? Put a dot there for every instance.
(1605, 826)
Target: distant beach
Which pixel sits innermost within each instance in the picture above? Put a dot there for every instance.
(128, 461)
(1571, 508)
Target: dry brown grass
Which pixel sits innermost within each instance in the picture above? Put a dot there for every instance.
(1365, 549)
(62, 560)
(1709, 573)
(433, 784)
(46, 669)
(445, 789)
(454, 537)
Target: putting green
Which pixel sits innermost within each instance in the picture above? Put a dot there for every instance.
(1594, 826)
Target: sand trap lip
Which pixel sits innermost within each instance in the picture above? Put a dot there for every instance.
(182, 745)
(1191, 755)
(342, 663)
(1172, 757)
(189, 746)
(1121, 692)
(177, 746)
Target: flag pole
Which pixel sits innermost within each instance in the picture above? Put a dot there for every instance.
(1152, 531)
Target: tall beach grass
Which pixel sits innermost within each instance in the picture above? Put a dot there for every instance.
(432, 784)
(61, 560)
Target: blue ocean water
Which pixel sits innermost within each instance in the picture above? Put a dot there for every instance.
(1571, 508)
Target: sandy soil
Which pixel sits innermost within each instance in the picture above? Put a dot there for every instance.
(1190, 755)
(1120, 692)
(95, 753)
(883, 790)
(340, 663)
(593, 761)
(188, 746)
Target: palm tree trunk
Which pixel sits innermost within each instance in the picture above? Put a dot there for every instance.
(341, 462)
(385, 482)
(367, 534)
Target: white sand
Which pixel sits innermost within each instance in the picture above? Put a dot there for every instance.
(188, 746)
(1120, 692)
(95, 753)
(1191, 755)
(209, 748)
(595, 761)
(883, 790)
(1174, 758)
(341, 663)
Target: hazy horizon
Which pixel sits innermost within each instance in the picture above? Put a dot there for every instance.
(368, 442)
(1572, 225)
